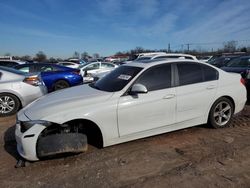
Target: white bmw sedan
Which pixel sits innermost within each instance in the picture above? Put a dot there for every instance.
(135, 100)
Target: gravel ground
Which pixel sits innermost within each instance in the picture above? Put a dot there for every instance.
(193, 157)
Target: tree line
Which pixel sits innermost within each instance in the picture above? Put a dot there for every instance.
(228, 47)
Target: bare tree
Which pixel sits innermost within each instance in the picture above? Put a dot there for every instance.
(85, 56)
(26, 58)
(40, 56)
(243, 49)
(52, 60)
(230, 46)
(76, 55)
(96, 55)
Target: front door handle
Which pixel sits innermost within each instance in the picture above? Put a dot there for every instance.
(211, 87)
(169, 96)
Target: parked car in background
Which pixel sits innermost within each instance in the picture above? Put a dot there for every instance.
(205, 58)
(150, 54)
(246, 77)
(18, 89)
(92, 77)
(11, 63)
(133, 101)
(54, 76)
(240, 65)
(78, 61)
(221, 61)
(69, 64)
(96, 68)
(95, 60)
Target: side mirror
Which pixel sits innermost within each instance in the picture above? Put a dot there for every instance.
(138, 88)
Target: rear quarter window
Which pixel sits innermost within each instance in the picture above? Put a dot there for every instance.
(24, 69)
(210, 73)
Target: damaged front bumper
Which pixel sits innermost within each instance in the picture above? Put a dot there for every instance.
(27, 141)
(33, 144)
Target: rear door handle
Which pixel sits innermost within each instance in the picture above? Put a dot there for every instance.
(211, 87)
(169, 96)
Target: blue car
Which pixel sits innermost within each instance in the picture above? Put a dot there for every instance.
(54, 76)
(241, 65)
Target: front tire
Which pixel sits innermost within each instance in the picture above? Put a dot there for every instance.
(9, 104)
(221, 113)
(61, 84)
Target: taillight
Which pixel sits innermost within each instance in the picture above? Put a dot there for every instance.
(33, 80)
(76, 72)
(243, 81)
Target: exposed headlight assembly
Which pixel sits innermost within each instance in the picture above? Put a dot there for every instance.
(25, 125)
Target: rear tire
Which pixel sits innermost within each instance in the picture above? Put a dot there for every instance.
(60, 84)
(221, 113)
(9, 104)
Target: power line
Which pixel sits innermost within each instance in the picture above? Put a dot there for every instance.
(206, 43)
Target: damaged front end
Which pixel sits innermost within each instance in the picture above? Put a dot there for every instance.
(41, 139)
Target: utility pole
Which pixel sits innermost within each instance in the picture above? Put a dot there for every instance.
(169, 50)
(188, 47)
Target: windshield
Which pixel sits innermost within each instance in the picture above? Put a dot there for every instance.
(214, 61)
(83, 64)
(143, 58)
(239, 62)
(117, 79)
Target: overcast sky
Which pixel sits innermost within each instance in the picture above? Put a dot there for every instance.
(60, 27)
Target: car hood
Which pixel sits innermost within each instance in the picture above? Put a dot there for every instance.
(64, 101)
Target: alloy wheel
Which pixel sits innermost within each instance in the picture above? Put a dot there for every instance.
(7, 104)
(222, 113)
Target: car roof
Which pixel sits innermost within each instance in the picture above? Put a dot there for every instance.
(51, 64)
(16, 61)
(149, 63)
(37, 64)
(168, 55)
(41, 64)
(12, 70)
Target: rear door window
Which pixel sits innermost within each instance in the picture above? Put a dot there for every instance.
(189, 73)
(43, 68)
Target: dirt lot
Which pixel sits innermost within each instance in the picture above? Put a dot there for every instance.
(194, 157)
